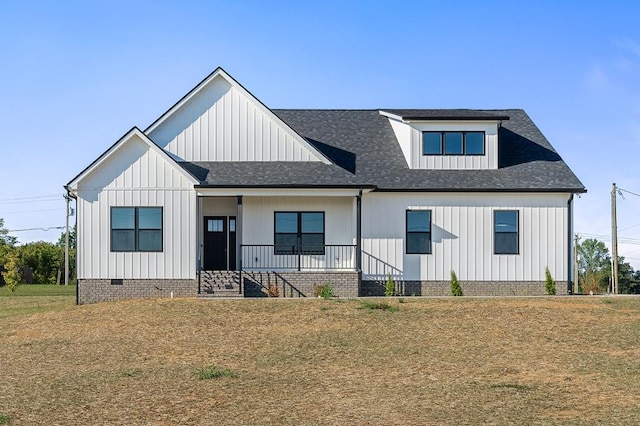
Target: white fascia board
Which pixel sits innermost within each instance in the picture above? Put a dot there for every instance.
(219, 72)
(115, 148)
(390, 115)
(279, 192)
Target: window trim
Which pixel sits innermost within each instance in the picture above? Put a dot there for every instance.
(517, 233)
(464, 142)
(136, 229)
(407, 232)
(299, 248)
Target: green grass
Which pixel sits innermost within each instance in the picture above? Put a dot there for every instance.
(39, 290)
(4, 419)
(382, 306)
(212, 372)
(34, 298)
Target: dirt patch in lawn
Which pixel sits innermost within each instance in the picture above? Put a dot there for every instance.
(433, 361)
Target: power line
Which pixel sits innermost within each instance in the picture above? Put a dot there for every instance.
(628, 192)
(32, 211)
(36, 229)
(29, 198)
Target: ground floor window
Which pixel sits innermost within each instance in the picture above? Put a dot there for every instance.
(506, 230)
(418, 231)
(136, 229)
(299, 232)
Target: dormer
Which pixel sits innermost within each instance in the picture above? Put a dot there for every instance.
(447, 139)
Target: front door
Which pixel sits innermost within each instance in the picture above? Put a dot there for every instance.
(219, 243)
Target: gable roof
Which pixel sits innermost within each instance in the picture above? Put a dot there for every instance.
(364, 152)
(113, 150)
(201, 87)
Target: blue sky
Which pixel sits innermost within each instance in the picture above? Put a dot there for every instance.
(76, 75)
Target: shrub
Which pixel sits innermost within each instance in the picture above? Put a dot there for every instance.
(549, 284)
(12, 276)
(4, 419)
(273, 290)
(456, 290)
(325, 291)
(212, 372)
(390, 287)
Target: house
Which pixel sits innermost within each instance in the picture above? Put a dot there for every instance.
(223, 196)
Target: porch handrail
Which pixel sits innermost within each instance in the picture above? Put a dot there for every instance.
(272, 257)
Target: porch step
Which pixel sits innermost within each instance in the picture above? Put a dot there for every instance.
(220, 284)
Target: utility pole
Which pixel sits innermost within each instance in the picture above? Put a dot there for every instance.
(614, 242)
(575, 264)
(66, 243)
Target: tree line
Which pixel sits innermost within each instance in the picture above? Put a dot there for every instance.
(44, 261)
(594, 270)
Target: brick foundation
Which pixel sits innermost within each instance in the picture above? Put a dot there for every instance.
(102, 290)
(469, 288)
(299, 284)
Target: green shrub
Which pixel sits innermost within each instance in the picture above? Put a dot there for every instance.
(390, 287)
(383, 306)
(325, 291)
(212, 372)
(13, 275)
(456, 290)
(549, 284)
(4, 419)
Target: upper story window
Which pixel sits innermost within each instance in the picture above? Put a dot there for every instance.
(136, 228)
(452, 143)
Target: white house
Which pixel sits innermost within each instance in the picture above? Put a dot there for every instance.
(223, 196)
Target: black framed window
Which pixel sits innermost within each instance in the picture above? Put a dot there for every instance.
(299, 232)
(136, 228)
(453, 143)
(418, 239)
(505, 227)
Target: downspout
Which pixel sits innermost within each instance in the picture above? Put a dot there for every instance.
(70, 195)
(359, 239)
(570, 278)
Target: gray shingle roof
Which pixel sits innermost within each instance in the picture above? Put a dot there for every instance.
(365, 152)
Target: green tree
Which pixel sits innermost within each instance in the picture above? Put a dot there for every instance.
(594, 266)
(628, 279)
(45, 260)
(5, 238)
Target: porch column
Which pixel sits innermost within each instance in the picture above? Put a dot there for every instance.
(199, 231)
(239, 234)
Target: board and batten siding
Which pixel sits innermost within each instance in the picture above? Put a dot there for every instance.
(224, 124)
(137, 177)
(462, 237)
(409, 136)
(339, 224)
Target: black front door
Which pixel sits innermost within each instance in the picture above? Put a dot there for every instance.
(219, 243)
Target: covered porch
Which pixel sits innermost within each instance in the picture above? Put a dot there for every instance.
(254, 241)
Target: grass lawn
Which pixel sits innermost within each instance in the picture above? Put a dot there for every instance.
(290, 362)
(32, 298)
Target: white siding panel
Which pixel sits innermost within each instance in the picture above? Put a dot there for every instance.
(223, 124)
(462, 237)
(137, 177)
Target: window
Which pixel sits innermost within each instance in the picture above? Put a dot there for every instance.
(418, 231)
(299, 233)
(453, 143)
(136, 229)
(505, 227)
